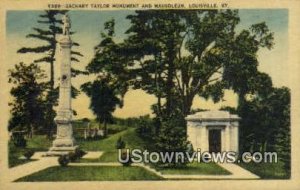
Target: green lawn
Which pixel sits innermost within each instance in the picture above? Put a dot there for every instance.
(267, 170)
(108, 145)
(79, 127)
(91, 173)
(37, 143)
(42, 143)
(13, 159)
(196, 168)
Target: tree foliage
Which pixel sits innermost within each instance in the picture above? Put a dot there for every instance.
(108, 62)
(265, 124)
(176, 55)
(172, 137)
(111, 83)
(47, 33)
(27, 107)
(104, 100)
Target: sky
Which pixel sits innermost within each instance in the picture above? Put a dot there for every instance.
(88, 26)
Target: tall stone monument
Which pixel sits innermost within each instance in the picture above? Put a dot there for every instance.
(64, 141)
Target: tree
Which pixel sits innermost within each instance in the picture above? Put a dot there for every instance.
(179, 54)
(265, 124)
(27, 108)
(272, 120)
(103, 100)
(172, 137)
(48, 33)
(108, 90)
(109, 63)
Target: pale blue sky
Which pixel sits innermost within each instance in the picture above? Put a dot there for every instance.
(20, 22)
(89, 24)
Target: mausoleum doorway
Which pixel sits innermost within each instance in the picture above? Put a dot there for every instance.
(214, 140)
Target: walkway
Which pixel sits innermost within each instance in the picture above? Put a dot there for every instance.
(93, 155)
(238, 172)
(17, 172)
(31, 167)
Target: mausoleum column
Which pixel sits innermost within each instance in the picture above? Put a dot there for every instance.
(223, 141)
(235, 136)
(227, 137)
(204, 138)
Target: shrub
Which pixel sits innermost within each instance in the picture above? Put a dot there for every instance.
(79, 153)
(20, 141)
(72, 156)
(28, 154)
(120, 144)
(145, 127)
(172, 137)
(63, 160)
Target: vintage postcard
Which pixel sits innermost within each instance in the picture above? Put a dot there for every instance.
(149, 94)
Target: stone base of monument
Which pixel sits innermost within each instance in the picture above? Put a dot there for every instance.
(62, 147)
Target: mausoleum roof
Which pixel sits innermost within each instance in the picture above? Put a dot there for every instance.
(212, 115)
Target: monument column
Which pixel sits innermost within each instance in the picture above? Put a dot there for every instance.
(64, 141)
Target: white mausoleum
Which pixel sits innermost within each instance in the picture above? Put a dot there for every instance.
(213, 131)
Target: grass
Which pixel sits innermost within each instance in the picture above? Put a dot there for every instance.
(37, 143)
(14, 155)
(267, 170)
(79, 127)
(42, 143)
(195, 168)
(91, 173)
(15, 161)
(110, 156)
(108, 145)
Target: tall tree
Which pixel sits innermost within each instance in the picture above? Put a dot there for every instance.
(50, 27)
(108, 62)
(48, 33)
(180, 54)
(27, 107)
(272, 119)
(108, 90)
(104, 100)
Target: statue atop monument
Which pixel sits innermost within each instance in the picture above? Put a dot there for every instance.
(66, 24)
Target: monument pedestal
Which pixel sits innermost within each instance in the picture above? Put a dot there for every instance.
(64, 142)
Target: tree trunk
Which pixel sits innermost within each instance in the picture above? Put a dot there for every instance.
(105, 128)
(170, 77)
(188, 102)
(32, 131)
